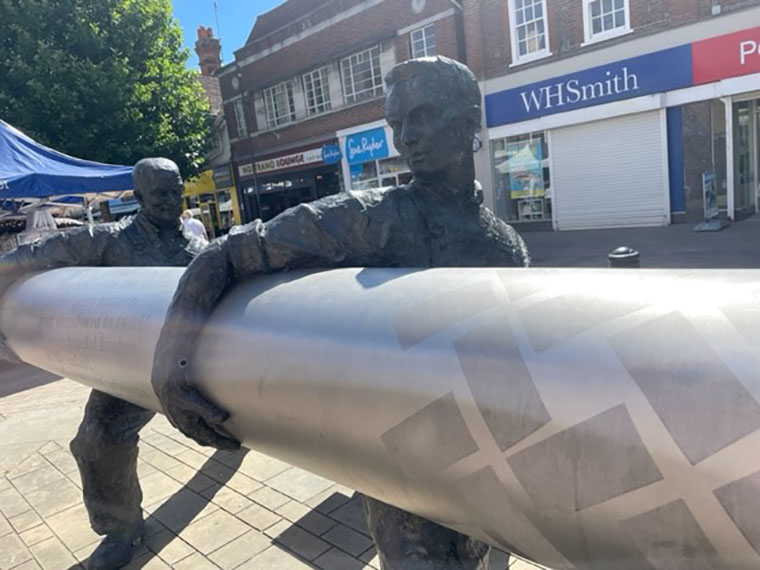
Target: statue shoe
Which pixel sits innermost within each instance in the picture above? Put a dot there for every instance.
(113, 552)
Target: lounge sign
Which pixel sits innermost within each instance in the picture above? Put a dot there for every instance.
(289, 160)
(705, 61)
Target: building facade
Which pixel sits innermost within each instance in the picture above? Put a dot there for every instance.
(609, 113)
(304, 98)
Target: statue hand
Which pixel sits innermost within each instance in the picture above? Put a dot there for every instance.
(191, 413)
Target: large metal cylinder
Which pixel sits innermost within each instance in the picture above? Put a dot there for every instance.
(588, 419)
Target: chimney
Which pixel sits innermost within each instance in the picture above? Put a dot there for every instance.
(208, 49)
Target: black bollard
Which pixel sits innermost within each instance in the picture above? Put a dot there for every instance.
(624, 257)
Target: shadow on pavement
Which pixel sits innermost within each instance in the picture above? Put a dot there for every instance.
(15, 378)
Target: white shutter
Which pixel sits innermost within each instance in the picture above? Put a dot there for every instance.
(610, 173)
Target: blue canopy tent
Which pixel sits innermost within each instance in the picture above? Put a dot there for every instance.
(34, 175)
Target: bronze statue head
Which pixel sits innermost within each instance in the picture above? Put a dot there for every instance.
(158, 190)
(433, 107)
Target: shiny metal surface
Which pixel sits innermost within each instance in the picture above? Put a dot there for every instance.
(583, 418)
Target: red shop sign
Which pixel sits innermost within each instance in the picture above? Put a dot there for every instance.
(731, 55)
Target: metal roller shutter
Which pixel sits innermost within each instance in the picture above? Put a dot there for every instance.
(611, 173)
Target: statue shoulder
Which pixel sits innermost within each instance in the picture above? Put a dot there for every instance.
(505, 237)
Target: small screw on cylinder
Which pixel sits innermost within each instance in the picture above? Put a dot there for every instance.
(624, 257)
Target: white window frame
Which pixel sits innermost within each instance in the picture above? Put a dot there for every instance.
(242, 127)
(592, 38)
(517, 59)
(427, 50)
(273, 119)
(310, 80)
(350, 95)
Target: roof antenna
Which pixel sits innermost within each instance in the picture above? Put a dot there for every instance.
(218, 29)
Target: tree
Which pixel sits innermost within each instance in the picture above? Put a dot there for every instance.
(104, 80)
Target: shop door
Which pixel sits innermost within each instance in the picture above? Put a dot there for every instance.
(611, 173)
(745, 158)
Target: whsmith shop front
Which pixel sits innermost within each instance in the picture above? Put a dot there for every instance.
(285, 180)
(670, 135)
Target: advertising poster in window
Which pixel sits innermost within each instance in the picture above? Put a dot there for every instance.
(526, 177)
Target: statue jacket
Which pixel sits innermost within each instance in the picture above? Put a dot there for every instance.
(404, 226)
(134, 241)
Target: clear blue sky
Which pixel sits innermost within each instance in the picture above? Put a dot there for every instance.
(236, 19)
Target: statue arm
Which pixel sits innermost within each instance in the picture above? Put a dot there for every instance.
(324, 234)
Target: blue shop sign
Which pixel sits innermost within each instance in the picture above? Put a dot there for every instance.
(643, 75)
(331, 153)
(367, 145)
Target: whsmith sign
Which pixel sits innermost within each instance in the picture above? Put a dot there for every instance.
(674, 68)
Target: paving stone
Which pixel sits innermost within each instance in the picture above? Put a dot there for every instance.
(336, 559)
(12, 503)
(370, 557)
(200, 562)
(37, 479)
(169, 547)
(328, 500)
(4, 483)
(352, 515)
(213, 531)
(28, 565)
(181, 510)
(12, 551)
(243, 484)
(240, 550)
(158, 486)
(54, 498)
(275, 558)
(164, 443)
(218, 471)
(33, 462)
(158, 459)
(25, 521)
(269, 498)
(5, 526)
(49, 447)
(192, 458)
(259, 517)
(62, 460)
(303, 543)
(347, 539)
(261, 467)
(144, 469)
(231, 501)
(299, 484)
(51, 554)
(191, 478)
(146, 561)
(37, 534)
(72, 526)
(303, 516)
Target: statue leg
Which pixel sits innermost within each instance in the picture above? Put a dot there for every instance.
(105, 449)
(407, 542)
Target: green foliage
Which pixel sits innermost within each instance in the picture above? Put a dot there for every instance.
(104, 80)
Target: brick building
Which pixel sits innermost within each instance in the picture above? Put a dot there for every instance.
(605, 113)
(308, 85)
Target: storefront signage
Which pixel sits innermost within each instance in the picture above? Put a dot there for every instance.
(245, 169)
(222, 177)
(524, 165)
(651, 73)
(726, 56)
(331, 154)
(710, 195)
(289, 160)
(367, 145)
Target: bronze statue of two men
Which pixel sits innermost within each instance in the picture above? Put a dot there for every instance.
(433, 107)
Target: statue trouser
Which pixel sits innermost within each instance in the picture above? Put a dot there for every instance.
(105, 449)
(407, 542)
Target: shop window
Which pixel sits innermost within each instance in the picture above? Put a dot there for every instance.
(316, 87)
(604, 19)
(242, 129)
(380, 173)
(423, 41)
(528, 30)
(361, 75)
(280, 108)
(522, 177)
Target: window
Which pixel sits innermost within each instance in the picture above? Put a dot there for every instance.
(528, 30)
(279, 104)
(521, 175)
(242, 128)
(361, 75)
(317, 91)
(380, 173)
(423, 41)
(605, 19)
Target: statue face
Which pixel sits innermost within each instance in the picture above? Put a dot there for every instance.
(426, 132)
(161, 197)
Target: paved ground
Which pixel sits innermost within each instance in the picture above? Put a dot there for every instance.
(204, 509)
